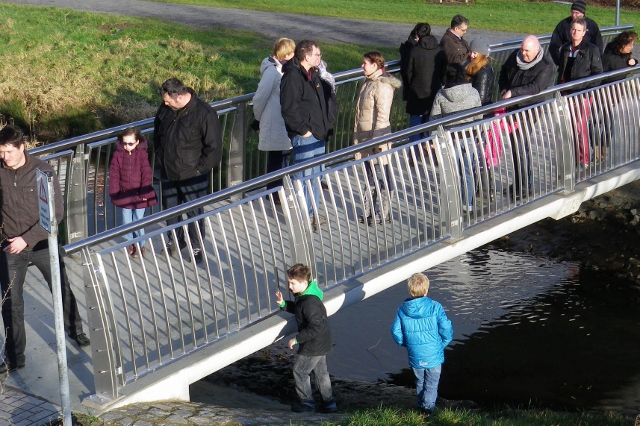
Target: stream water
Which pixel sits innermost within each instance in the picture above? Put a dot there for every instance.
(527, 332)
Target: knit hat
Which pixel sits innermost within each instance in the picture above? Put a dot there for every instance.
(579, 6)
(480, 45)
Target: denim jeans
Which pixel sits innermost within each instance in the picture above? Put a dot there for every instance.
(466, 159)
(302, 368)
(305, 149)
(427, 386)
(131, 215)
(415, 120)
(13, 270)
(179, 192)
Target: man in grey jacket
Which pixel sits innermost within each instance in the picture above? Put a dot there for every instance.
(24, 241)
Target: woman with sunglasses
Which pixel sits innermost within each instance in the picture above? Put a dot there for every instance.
(130, 182)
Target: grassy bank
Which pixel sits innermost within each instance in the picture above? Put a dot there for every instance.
(508, 417)
(498, 15)
(67, 73)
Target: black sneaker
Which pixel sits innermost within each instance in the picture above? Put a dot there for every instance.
(197, 255)
(5, 367)
(425, 412)
(303, 407)
(171, 247)
(82, 340)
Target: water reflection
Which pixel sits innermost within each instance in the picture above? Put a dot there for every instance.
(527, 331)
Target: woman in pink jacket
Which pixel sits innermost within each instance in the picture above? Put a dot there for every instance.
(130, 181)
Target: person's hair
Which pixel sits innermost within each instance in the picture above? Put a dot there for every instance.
(299, 272)
(458, 20)
(418, 285)
(476, 65)
(283, 47)
(304, 48)
(454, 75)
(580, 21)
(414, 31)
(131, 131)
(11, 135)
(621, 40)
(423, 30)
(375, 58)
(173, 87)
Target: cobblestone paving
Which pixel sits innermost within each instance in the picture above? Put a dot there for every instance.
(20, 409)
(189, 413)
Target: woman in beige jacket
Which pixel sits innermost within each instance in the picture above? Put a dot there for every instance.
(371, 121)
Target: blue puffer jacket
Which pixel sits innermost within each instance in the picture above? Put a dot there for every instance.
(423, 327)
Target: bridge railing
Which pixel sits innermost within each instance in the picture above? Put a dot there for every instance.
(89, 210)
(146, 313)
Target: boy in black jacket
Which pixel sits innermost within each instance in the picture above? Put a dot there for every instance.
(314, 338)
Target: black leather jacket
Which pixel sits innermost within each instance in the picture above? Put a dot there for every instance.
(587, 63)
(483, 82)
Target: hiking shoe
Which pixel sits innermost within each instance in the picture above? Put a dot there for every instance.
(378, 219)
(82, 340)
(425, 412)
(303, 407)
(362, 218)
(316, 224)
(5, 367)
(328, 407)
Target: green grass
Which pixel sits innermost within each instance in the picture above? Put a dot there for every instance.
(68, 73)
(508, 417)
(499, 15)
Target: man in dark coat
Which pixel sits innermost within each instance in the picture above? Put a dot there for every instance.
(309, 110)
(425, 71)
(188, 143)
(25, 242)
(527, 71)
(562, 32)
(453, 43)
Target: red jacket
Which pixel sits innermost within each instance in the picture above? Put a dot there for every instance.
(130, 178)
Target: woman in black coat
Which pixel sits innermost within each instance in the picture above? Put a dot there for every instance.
(480, 70)
(617, 54)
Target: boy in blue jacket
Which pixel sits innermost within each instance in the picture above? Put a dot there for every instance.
(313, 338)
(423, 327)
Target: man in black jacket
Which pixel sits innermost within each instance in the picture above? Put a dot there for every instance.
(527, 71)
(25, 242)
(453, 43)
(309, 110)
(562, 32)
(188, 144)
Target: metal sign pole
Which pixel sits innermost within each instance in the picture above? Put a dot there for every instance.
(49, 223)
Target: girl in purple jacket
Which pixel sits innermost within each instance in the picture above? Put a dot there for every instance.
(130, 181)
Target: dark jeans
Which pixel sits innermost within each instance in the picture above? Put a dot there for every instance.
(13, 269)
(176, 192)
(302, 368)
(276, 160)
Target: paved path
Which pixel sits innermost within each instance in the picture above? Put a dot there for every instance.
(271, 24)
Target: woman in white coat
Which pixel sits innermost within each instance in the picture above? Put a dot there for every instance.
(371, 121)
(266, 109)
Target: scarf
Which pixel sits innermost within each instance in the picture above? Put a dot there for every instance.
(527, 65)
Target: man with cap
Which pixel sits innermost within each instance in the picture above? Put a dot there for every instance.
(562, 34)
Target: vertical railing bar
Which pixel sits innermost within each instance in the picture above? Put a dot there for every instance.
(231, 271)
(223, 289)
(151, 304)
(239, 250)
(143, 331)
(205, 260)
(185, 283)
(174, 286)
(354, 211)
(251, 255)
(162, 297)
(126, 315)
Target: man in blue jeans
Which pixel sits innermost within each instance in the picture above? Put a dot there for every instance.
(24, 241)
(188, 142)
(309, 110)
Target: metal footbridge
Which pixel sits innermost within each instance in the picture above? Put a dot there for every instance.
(159, 323)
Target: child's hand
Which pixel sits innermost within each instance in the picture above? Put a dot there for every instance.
(279, 298)
(292, 343)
